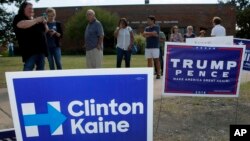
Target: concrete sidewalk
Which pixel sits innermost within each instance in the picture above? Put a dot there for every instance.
(5, 111)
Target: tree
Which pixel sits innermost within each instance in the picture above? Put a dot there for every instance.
(243, 22)
(242, 16)
(75, 27)
(140, 42)
(6, 17)
(5, 25)
(239, 4)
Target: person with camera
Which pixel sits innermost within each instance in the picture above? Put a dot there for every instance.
(31, 36)
(54, 36)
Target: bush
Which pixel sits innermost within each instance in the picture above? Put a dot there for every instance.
(4, 50)
(75, 27)
(140, 42)
(5, 53)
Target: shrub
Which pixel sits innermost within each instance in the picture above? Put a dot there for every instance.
(75, 27)
(140, 42)
(4, 50)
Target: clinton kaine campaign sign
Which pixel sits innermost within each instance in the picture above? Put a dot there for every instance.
(246, 64)
(82, 105)
(198, 70)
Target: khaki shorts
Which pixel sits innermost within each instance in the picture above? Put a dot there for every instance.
(94, 58)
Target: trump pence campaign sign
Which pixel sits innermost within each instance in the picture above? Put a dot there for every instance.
(202, 70)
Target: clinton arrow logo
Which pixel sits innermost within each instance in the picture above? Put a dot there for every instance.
(54, 119)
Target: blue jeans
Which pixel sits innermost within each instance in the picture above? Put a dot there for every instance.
(11, 52)
(123, 53)
(38, 60)
(54, 57)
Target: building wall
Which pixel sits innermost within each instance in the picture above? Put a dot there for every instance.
(197, 15)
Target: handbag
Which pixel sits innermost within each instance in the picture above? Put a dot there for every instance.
(134, 49)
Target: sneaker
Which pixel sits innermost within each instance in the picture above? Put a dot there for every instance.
(158, 76)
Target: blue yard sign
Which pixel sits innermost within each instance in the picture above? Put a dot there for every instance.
(202, 70)
(82, 105)
(246, 42)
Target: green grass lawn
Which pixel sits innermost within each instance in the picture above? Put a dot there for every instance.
(69, 62)
(200, 118)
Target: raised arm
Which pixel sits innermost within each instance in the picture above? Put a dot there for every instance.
(116, 32)
(29, 23)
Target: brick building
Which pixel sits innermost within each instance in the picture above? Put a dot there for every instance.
(197, 15)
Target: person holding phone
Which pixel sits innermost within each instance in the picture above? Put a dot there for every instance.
(125, 41)
(30, 33)
(54, 36)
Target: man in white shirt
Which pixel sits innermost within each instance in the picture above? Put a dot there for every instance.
(218, 30)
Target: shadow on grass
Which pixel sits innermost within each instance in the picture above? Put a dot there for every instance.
(200, 119)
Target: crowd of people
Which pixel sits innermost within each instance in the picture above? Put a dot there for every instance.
(40, 37)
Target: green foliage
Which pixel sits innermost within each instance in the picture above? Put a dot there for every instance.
(6, 18)
(4, 49)
(75, 27)
(140, 42)
(243, 22)
(239, 4)
(11, 1)
(243, 16)
(6, 31)
(5, 53)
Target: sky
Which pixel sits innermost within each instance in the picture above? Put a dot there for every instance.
(64, 3)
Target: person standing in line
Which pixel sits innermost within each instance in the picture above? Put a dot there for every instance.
(175, 35)
(190, 33)
(54, 36)
(152, 51)
(202, 33)
(162, 40)
(94, 35)
(162, 49)
(11, 48)
(31, 36)
(125, 41)
(218, 29)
